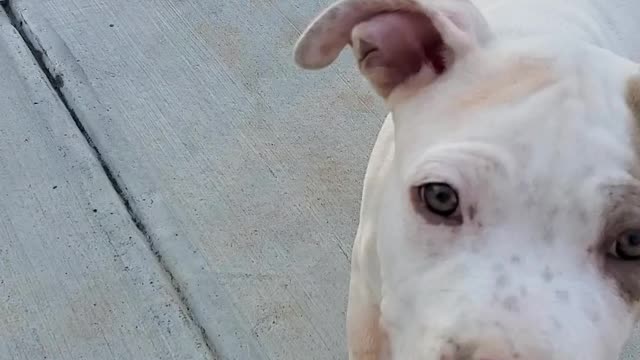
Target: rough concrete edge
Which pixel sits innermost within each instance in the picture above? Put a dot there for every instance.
(55, 77)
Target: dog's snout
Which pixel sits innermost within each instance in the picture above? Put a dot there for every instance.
(486, 350)
(477, 355)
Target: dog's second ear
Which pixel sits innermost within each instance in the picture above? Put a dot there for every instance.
(393, 39)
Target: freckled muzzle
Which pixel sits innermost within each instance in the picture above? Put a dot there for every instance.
(471, 310)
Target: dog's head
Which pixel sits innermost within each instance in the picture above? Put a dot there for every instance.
(510, 223)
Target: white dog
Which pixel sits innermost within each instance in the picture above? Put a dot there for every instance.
(500, 216)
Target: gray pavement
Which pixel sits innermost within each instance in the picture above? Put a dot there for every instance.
(225, 182)
(77, 278)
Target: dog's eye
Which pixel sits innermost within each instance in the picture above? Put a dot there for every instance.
(440, 198)
(627, 247)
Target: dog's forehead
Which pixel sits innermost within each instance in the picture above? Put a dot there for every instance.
(548, 114)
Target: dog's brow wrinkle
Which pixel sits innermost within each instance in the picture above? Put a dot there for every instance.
(481, 156)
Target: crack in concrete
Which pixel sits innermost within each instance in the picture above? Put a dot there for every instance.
(56, 80)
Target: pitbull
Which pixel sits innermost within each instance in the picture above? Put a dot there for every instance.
(500, 216)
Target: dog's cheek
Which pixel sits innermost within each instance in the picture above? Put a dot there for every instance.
(368, 338)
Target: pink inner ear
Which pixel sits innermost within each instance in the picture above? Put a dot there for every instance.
(399, 42)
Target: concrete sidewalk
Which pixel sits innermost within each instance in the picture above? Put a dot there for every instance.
(243, 181)
(78, 280)
(173, 187)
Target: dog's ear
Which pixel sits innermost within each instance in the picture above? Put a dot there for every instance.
(393, 39)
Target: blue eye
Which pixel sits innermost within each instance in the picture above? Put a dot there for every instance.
(628, 246)
(439, 198)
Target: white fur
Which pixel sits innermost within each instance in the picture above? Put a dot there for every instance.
(515, 280)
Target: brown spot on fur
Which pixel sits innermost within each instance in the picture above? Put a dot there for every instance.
(632, 97)
(367, 338)
(521, 78)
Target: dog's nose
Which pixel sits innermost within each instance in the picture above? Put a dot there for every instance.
(487, 351)
(467, 356)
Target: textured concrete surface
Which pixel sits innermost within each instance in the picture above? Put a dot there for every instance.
(243, 172)
(77, 278)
